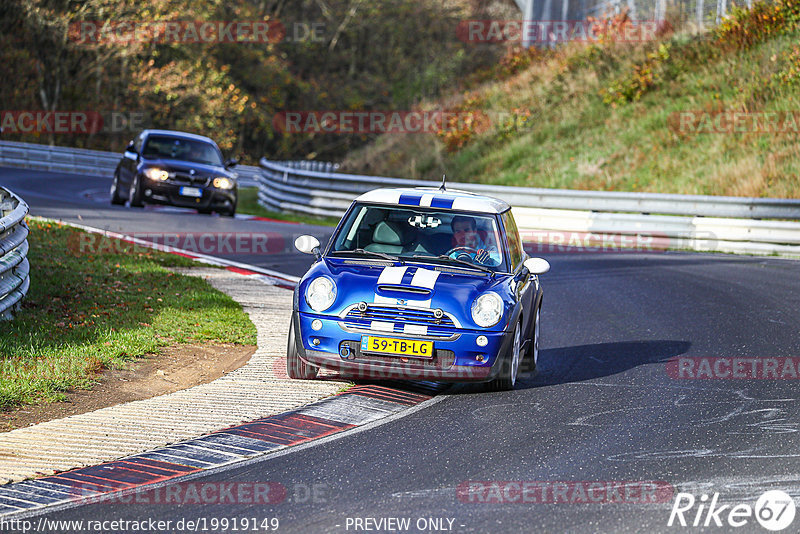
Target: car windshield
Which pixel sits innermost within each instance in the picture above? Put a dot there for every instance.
(159, 146)
(423, 234)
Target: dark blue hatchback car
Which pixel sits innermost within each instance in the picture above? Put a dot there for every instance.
(419, 284)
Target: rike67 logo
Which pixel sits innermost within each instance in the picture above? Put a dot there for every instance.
(774, 511)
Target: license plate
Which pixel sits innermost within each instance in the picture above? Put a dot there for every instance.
(191, 192)
(401, 347)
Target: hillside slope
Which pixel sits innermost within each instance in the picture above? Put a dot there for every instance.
(658, 116)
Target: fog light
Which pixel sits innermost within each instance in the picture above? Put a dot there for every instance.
(482, 341)
(147, 192)
(315, 342)
(479, 357)
(316, 324)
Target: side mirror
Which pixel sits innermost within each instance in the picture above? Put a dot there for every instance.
(537, 265)
(308, 244)
(231, 163)
(131, 148)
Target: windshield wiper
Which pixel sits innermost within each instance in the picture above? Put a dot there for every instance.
(462, 262)
(369, 253)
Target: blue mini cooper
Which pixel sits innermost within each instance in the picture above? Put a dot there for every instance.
(419, 284)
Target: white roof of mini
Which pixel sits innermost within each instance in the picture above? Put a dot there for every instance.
(450, 199)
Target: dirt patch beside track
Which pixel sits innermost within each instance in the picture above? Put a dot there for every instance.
(176, 368)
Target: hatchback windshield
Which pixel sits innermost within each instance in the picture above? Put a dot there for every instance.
(159, 146)
(421, 233)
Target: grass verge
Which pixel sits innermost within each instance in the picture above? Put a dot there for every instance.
(88, 311)
(610, 116)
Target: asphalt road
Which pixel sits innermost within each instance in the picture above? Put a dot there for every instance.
(84, 200)
(605, 407)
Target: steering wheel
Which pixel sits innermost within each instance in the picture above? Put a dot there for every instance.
(466, 252)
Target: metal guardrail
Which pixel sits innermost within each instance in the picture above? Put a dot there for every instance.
(82, 161)
(727, 224)
(14, 266)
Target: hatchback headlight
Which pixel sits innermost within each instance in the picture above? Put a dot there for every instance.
(487, 309)
(321, 293)
(223, 183)
(159, 175)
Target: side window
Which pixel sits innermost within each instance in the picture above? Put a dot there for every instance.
(514, 242)
(138, 143)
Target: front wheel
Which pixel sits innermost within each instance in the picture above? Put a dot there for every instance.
(135, 195)
(296, 367)
(115, 198)
(530, 363)
(509, 368)
(230, 212)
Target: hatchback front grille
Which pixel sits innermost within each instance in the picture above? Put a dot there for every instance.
(398, 317)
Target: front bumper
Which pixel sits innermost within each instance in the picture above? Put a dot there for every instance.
(455, 360)
(169, 193)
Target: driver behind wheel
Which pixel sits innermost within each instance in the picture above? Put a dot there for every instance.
(467, 242)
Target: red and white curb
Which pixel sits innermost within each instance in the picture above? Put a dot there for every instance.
(358, 406)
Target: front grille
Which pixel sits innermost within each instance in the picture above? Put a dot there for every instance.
(400, 316)
(442, 359)
(180, 178)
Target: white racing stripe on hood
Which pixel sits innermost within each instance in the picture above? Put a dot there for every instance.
(425, 278)
(422, 278)
(392, 275)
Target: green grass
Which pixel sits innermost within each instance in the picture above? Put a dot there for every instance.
(88, 310)
(581, 136)
(248, 204)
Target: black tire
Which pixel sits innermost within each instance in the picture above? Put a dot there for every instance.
(530, 364)
(135, 195)
(230, 212)
(295, 367)
(509, 367)
(115, 198)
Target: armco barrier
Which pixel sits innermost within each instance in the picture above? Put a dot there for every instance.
(14, 266)
(728, 224)
(82, 161)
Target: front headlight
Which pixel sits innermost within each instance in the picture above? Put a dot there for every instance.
(158, 175)
(487, 310)
(223, 183)
(321, 293)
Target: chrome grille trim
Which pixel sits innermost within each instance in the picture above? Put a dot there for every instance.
(355, 322)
